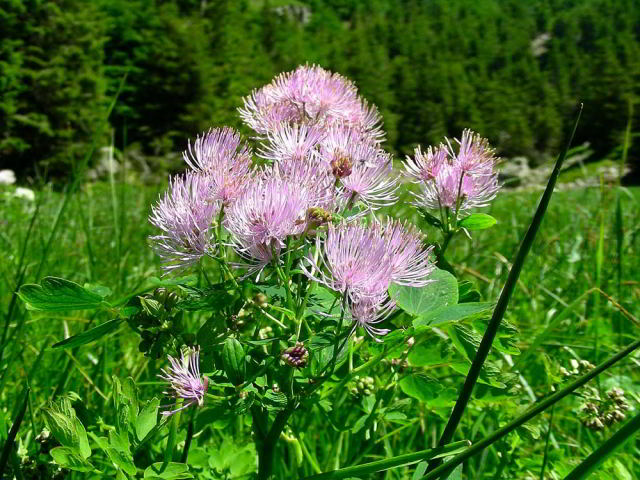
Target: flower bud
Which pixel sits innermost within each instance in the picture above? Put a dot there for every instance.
(296, 356)
(341, 167)
(261, 300)
(318, 216)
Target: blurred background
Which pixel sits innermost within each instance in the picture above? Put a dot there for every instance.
(513, 70)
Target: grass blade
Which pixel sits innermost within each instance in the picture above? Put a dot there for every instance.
(605, 450)
(388, 463)
(442, 470)
(503, 301)
(8, 446)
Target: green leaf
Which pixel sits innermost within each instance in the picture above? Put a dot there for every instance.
(233, 359)
(456, 474)
(173, 471)
(466, 292)
(69, 458)
(477, 221)
(57, 294)
(430, 219)
(275, 401)
(90, 335)
(122, 460)
(433, 351)
(83, 441)
(61, 420)
(212, 299)
(147, 419)
(420, 387)
(452, 313)
(101, 290)
(421, 468)
(441, 292)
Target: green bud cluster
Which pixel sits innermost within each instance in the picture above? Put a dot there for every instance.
(362, 386)
(159, 323)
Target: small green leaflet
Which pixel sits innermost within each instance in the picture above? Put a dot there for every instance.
(90, 335)
(477, 221)
(57, 295)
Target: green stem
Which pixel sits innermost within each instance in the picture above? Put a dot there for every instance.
(388, 463)
(444, 469)
(503, 301)
(267, 447)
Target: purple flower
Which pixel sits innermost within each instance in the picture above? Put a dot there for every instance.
(224, 157)
(309, 95)
(356, 261)
(363, 168)
(410, 262)
(425, 166)
(367, 311)
(184, 215)
(361, 262)
(295, 143)
(272, 208)
(458, 181)
(475, 156)
(185, 380)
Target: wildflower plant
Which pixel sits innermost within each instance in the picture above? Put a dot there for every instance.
(302, 294)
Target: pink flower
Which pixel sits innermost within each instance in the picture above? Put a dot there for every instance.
(363, 168)
(356, 261)
(185, 380)
(361, 262)
(184, 215)
(309, 95)
(224, 157)
(458, 181)
(272, 208)
(292, 143)
(410, 262)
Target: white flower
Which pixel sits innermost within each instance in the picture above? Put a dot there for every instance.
(25, 193)
(7, 177)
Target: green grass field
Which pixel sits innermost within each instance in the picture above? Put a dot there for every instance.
(578, 297)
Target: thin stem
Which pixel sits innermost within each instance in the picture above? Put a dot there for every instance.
(388, 463)
(545, 458)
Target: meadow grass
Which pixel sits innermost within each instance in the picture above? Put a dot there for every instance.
(577, 297)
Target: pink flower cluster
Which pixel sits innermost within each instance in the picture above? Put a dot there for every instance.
(322, 145)
(220, 163)
(459, 180)
(361, 262)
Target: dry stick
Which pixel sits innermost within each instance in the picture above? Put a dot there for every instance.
(501, 307)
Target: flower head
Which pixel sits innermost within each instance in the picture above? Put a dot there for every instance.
(224, 157)
(272, 208)
(363, 168)
(457, 180)
(184, 215)
(410, 262)
(185, 381)
(309, 95)
(295, 143)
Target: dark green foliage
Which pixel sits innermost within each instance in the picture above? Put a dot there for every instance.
(509, 69)
(52, 83)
